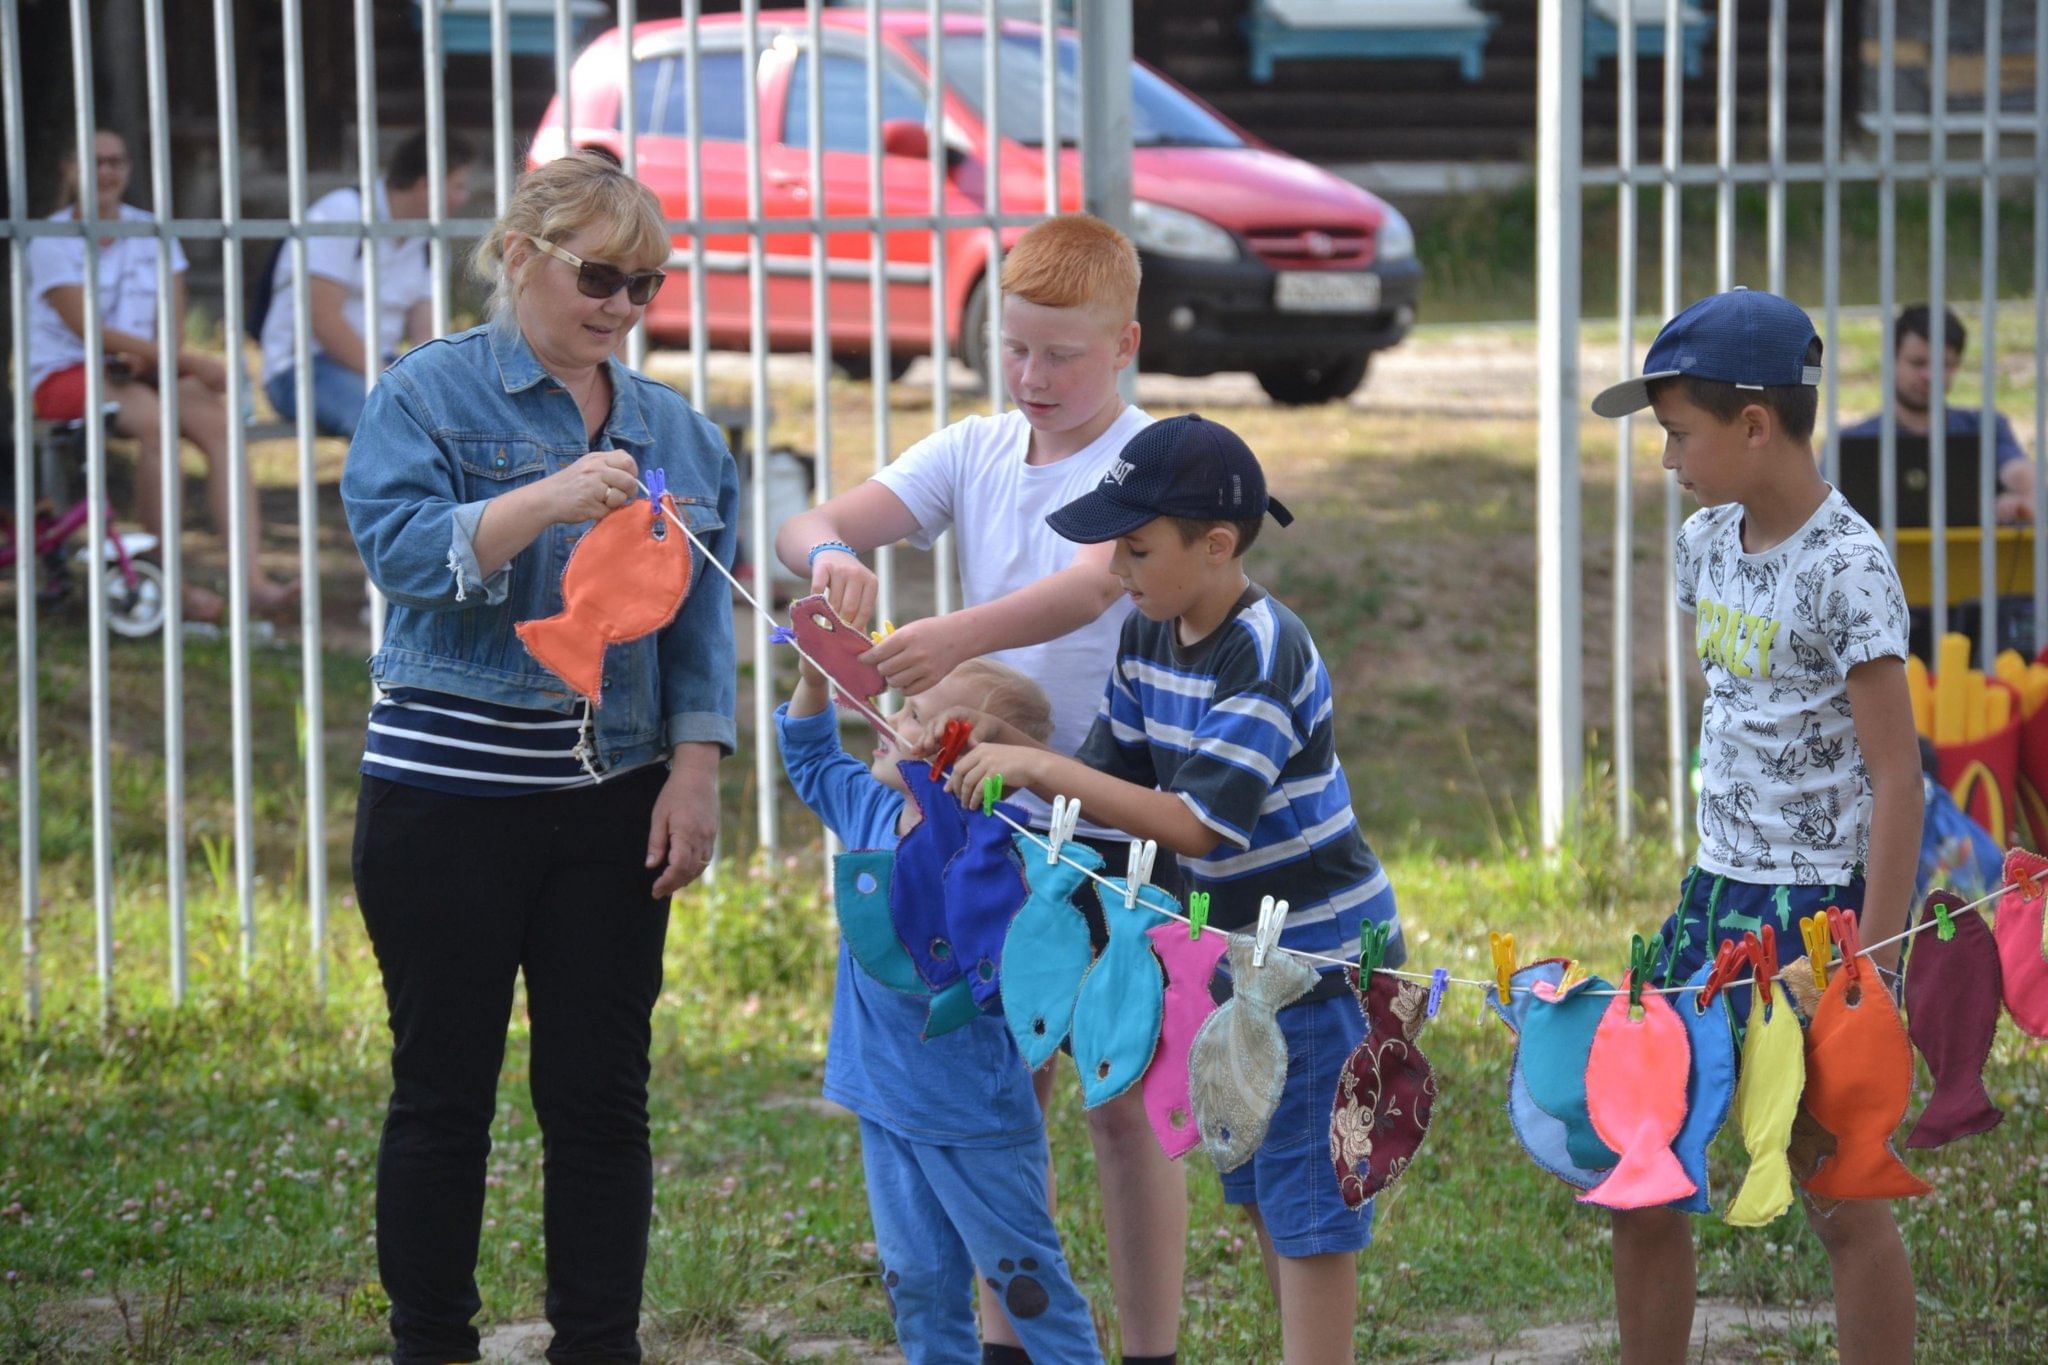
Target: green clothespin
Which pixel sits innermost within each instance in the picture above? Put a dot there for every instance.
(1642, 960)
(1198, 913)
(991, 792)
(1944, 922)
(1372, 949)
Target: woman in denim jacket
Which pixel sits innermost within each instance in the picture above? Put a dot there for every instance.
(504, 825)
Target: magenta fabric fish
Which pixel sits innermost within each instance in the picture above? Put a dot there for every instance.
(1385, 1093)
(2024, 973)
(1635, 1095)
(1953, 988)
(1189, 963)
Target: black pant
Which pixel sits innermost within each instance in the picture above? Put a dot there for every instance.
(460, 894)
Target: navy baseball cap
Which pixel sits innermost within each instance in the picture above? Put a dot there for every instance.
(1745, 337)
(1181, 467)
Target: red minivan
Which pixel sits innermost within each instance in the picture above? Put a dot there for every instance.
(1254, 260)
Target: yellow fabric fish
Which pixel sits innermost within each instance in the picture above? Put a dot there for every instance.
(1766, 1100)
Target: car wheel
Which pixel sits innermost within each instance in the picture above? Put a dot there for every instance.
(861, 364)
(1303, 385)
(974, 333)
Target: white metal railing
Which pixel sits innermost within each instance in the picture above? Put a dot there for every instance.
(1104, 42)
(1563, 183)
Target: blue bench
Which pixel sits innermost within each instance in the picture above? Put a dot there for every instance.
(1603, 33)
(1282, 30)
(529, 24)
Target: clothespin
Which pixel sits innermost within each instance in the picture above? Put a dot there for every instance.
(1944, 918)
(1198, 913)
(1763, 962)
(1272, 918)
(781, 635)
(1573, 975)
(952, 743)
(1503, 964)
(1066, 814)
(1144, 852)
(1438, 979)
(1728, 960)
(991, 792)
(1642, 963)
(1372, 950)
(657, 484)
(1813, 932)
(888, 629)
(1843, 925)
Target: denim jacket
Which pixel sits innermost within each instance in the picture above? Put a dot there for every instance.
(464, 419)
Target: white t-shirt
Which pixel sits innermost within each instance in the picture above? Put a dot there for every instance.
(972, 478)
(1786, 797)
(404, 277)
(127, 291)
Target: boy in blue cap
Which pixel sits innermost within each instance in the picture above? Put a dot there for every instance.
(1214, 738)
(1811, 792)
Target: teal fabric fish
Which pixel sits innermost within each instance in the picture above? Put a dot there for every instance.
(1116, 1017)
(1047, 952)
(861, 884)
(1557, 1037)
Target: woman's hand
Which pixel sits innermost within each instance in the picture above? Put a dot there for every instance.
(684, 829)
(602, 481)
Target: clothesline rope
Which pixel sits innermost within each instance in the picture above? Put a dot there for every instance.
(881, 723)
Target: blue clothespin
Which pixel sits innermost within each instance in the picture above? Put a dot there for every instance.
(657, 485)
(781, 635)
(1438, 979)
(1198, 913)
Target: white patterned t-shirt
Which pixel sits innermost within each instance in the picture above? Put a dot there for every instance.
(1786, 796)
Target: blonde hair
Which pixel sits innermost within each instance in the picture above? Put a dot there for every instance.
(562, 198)
(1074, 261)
(1008, 695)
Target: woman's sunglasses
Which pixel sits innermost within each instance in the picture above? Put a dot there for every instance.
(602, 281)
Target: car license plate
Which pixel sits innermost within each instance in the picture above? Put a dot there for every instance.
(1326, 291)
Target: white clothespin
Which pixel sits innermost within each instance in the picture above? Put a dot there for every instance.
(1272, 919)
(1144, 852)
(1066, 814)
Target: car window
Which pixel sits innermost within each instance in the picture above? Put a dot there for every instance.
(845, 102)
(1161, 116)
(662, 91)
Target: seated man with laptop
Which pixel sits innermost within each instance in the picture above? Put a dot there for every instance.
(1912, 393)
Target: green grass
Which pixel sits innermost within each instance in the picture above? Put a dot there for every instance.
(196, 1184)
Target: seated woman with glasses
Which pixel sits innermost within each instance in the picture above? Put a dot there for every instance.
(505, 826)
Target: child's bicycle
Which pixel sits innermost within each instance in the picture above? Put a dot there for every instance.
(134, 586)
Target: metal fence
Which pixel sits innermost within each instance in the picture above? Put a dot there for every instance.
(1015, 40)
(1961, 147)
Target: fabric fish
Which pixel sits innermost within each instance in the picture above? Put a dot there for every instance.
(917, 900)
(1543, 1137)
(1953, 988)
(836, 647)
(1636, 1076)
(1237, 1066)
(1859, 1078)
(2024, 973)
(1767, 1088)
(1048, 951)
(1189, 963)
(1385, 1093)
(861, 883)
(1116, 1015)
(626, 578)
(1710, 1086)
(1557, 1035)
(985, 888)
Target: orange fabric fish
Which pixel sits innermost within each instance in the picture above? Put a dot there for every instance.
(626, 578)
(1859, 1078)
(1635, 1095)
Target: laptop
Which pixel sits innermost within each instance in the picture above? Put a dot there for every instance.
(1861, 480)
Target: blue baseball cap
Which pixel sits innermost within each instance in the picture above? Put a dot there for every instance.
(1745, 337)
(1181, 467)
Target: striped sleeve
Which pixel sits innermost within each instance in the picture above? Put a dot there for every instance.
(1116, 742)
(1239, 748)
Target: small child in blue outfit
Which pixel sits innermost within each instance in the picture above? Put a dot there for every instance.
(952, 1142)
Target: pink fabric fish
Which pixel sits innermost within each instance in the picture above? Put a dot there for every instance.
(1952, 993)
(837, 648)
(1859, 1078)
(1635, 1095)
(2018, 932)
(1189, 963)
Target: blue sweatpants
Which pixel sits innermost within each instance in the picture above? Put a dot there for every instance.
(945, 1215)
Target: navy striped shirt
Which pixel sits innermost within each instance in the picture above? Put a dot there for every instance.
(463, 747)
(1239, 727)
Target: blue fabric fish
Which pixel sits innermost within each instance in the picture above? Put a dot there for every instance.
(917, 902)
(1542, 1136)
(1557, 1037)
(1710, 1086)
(985, 888)
(1116, 1017)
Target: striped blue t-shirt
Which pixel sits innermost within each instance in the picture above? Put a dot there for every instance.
(1239, 727)
(464, 747)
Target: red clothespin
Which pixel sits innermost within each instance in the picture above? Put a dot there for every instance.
(952, 744)
(1843, 925)
(1763, 962)
(1729, 959)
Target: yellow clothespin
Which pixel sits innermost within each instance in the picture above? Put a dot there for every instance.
(1503, 964)
(1574, 974)
(888, 629)
(1820, 946)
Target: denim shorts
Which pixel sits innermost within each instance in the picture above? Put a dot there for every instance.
(1290, 1177)
(1713, 908)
